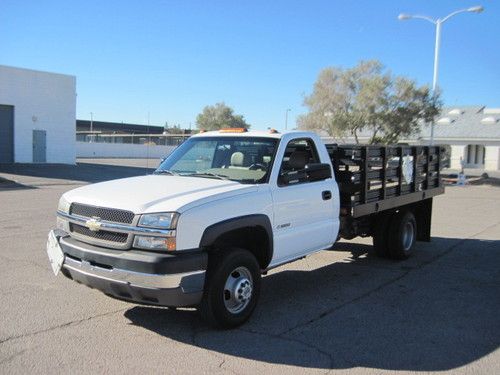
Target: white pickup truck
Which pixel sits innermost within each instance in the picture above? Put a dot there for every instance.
(226, 206)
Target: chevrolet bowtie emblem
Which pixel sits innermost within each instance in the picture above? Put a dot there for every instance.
(93, 224)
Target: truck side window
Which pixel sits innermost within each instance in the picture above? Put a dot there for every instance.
(298, 153)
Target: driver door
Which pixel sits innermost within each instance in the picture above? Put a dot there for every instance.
(303, 210)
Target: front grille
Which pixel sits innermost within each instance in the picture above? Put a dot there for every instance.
(102, 235)
(106, 214)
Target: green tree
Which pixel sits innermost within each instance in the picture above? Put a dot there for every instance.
(368, 98)
(218, 116)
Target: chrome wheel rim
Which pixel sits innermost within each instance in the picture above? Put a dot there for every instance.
(408, 234)
(238, 290)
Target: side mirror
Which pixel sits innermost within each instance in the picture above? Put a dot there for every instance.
(318, 171)
(292, 177)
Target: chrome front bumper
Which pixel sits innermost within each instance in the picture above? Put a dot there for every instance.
(139, 279)
(100, 269)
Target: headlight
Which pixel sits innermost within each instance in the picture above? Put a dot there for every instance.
(155, 243)
(63, 205)
(164, 220)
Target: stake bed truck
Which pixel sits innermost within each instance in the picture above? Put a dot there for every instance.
(227, 206)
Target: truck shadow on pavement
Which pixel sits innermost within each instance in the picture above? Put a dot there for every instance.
(437, 311)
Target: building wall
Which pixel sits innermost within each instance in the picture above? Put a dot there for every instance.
(492, 158)
(121, 150)
(457, 154)
(491, 155)
(43, 101)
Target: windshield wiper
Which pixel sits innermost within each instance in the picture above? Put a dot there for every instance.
(166, 171)
(207, 174)
(248, 181)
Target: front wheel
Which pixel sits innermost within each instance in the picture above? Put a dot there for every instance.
(232, 288)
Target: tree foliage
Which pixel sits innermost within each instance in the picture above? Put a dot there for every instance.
(368, 98)
(218, 116)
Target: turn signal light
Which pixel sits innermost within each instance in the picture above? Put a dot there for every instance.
(171, 243)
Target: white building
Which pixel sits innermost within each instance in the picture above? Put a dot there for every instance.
(37, 116)
(473, 133)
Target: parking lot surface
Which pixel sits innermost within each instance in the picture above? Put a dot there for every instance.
(340, 310)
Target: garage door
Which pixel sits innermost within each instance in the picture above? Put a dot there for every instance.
(6, 133)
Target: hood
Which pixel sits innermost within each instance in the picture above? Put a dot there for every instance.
(156, 193)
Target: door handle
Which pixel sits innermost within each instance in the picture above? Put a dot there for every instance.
(326, 195)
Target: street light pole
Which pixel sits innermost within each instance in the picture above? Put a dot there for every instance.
(436, 55)
(286, 118)
(438, 23)
(436, 70)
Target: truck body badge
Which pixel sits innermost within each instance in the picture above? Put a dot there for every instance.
(281, 226)
(94, 224)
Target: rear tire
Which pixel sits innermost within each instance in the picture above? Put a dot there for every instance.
(232, 288)
(402, 235)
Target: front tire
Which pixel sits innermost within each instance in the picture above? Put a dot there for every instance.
(232, 288)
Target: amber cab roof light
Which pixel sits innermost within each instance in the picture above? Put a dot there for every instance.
(233, 130)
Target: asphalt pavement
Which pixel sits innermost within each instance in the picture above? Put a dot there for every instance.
(340, 310)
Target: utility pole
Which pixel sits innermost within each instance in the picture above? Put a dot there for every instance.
(286, 118)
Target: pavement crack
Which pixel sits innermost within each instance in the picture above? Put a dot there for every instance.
(291, 339)
(68, 324)
(194, 342)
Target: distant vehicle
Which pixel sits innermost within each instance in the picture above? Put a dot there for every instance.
(227, 206)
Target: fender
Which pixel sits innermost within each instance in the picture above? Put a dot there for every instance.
(212, 232)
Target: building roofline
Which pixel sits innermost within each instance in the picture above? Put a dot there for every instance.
(37, 71)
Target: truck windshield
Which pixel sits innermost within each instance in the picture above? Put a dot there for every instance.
(243, 159)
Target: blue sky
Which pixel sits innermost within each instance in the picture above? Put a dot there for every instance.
(171, 58)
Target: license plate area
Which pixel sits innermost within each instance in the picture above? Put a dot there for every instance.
(55, 253)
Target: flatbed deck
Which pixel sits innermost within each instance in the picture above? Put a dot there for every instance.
(376, 178)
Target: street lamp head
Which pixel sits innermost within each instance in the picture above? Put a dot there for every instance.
(403, 17)
(476, 9)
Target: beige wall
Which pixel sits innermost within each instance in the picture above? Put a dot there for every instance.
(492, 158)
